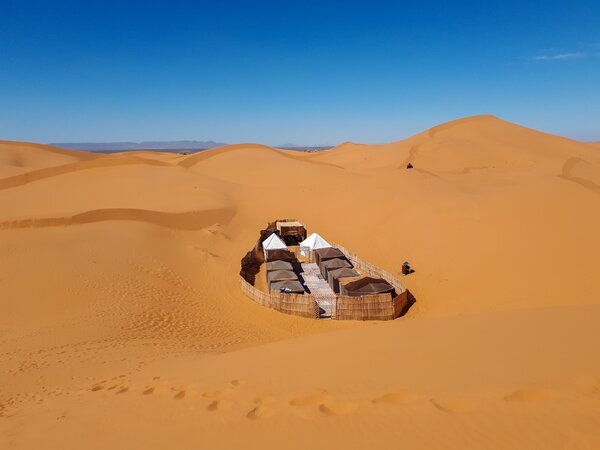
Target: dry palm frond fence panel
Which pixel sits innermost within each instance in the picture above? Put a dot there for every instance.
(294, 304)
(372, 307)
(371, 270)
(365, 307)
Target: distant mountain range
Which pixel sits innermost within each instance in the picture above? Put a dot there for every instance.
(146, 145)
(164, 146)
(305, 148)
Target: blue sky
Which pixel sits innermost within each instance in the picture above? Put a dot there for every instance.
(304, 72)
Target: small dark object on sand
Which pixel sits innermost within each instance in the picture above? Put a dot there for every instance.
(409, 166)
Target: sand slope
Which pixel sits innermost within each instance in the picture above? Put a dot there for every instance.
(118, 276)
(434, 383)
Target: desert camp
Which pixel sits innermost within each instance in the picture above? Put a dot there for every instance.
(323, 274)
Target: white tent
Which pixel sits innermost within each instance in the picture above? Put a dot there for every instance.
(273, 242)
(313, 242)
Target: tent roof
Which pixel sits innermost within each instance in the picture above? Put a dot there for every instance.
(279, 265)
(335, 263)
(280, 254)
(293, 285)
(343, 272)
(273, 242)
(330, 252)
(315, 241)
(368, 285)
(281, 275)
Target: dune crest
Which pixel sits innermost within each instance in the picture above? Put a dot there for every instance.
(192, 220)
(463, 121)
(87, 164)
(21, 157)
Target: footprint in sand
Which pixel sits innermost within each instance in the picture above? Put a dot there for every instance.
(530, 395)
(310, 399)
(148, 391)
(452, 405)
(96, 387)
(122, 390)
(217, 394)
(265, 400)
(260, 412)
(236, 383)
(219, 405)
(333, 408)
(393, 398)
(179, 395)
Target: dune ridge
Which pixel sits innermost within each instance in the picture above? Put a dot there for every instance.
(454, 123)
(20, 157)
(21, 146)
(196, 158)
(86, 164)
(190, 220)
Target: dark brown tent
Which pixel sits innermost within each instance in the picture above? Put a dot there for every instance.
(290, 286)
(280, 255)
(323, 254)
(279, 265)
(335, 263)
(278, 275)
(343, 281)
(333, 276)
(291, 231)
(367, 286)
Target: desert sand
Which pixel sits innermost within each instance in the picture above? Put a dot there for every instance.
(122, 324)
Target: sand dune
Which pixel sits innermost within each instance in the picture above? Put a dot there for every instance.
(118, 276)
(21, 157)
(194, 159)
(480, 141)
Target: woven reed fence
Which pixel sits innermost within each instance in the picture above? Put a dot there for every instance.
(371, 270)
(365, 307)
(372, 307)
(303, 305)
